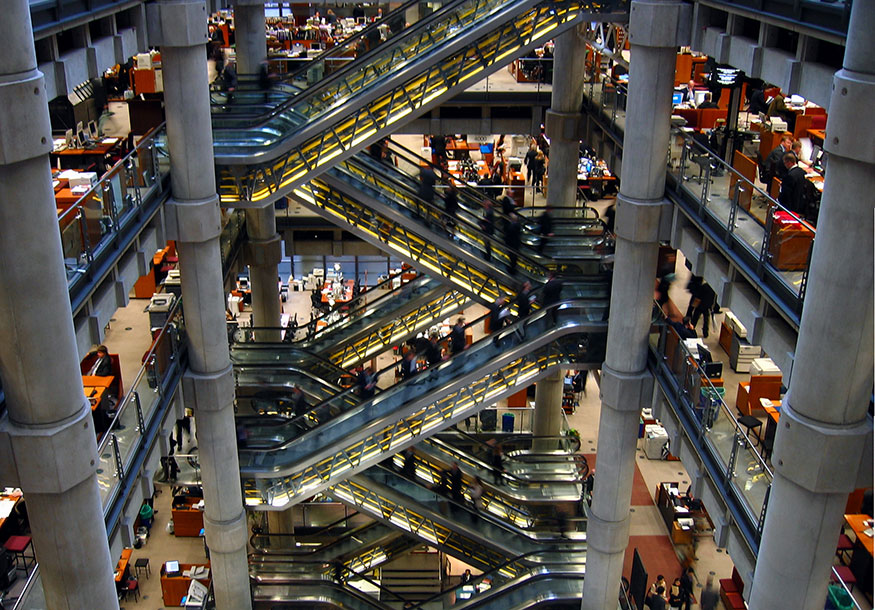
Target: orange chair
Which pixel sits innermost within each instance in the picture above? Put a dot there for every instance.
(747, 401)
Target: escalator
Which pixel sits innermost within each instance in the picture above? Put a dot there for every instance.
(409, 234)
(535, 580)
(520, 483)
(303, 462)
(359, 550)
(250, 100)
(366, 331)
(394, 188)
(417, 70)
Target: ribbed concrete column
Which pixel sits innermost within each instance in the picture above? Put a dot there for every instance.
(824, 441)
(625, 387)
(48, 438)
(547, 419)
(563, 118)
(250, 38)
(179, 27)
(263, 254)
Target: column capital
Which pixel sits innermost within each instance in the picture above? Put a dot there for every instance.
(226, 536)
(819, 457)
(626, 391)
(263, 252)
(177, 23)
(209, 391)
(23, 96)
(193, 220)
(50, 459)
(660, 23)
(851, 91)
(610, 537)
(562, 125)
(643, 220)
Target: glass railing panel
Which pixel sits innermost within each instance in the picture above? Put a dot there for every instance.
(108, 473)
(751, 478)
(779, 239)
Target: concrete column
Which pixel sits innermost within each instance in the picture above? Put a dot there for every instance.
(47, 439)
(563, 118)
(824, 441)
(193, 218)
(249, 35)
(547, 419)
(625, 386)
(263, 254)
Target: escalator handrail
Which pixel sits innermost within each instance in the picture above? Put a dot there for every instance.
(445, 178)
(485, 514)
(434, 211)
(437, 16)
(495, 336)
(325, 403)
(520, 482)
(519, 559)
(318, 532)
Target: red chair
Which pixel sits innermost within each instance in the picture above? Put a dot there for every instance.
(845, 545)
(843, 572)
(133, 587)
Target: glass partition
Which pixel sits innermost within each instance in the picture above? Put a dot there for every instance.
(742, 468)
(136, 412)
(92, 223)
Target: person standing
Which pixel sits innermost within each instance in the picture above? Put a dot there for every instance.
(427, 179)
(456, 483)
(408, 470)
(457, 337)
(497, 463)
(552, 290)
(433, 353)
(476, 492)
(539, 169)
(498, 314)
(702, 303)
(487, 227)
(674, 596)
(367, 383)
(408, 365)
(792, 185)
(545, 229)
(529, 161)
(523, 301)
(512, 238)
(686, 588)
(710, 595)
(451, 204)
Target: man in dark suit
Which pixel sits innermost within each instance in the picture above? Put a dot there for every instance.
(657, 601)
(102, 366)
(774, 163)
(792, 185)
(408, 365)
(707, 103)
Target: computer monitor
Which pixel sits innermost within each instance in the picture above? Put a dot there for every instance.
(700, 96)
(704, 355)
(81, 137)
(361, 20)
(92, 129)
(816, 152)
(68, 138)
(677, 98)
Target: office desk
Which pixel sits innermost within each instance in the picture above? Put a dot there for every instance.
(187, 520)
(96, 389)
(122, 568)
(861, 556)
(82, 158)
(817, 134)
(346, 294)
(174, 588)
(790, 242)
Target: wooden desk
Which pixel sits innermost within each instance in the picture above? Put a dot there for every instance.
(790, 243)
(121, 568)
(817, 134)
(96, 388)
(187, 521)
(82, 158)
(857, 524)
(346, 295)
(747, 167)
(861, 556)
(174, 588)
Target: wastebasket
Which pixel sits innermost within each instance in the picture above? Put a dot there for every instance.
(838, 599)
(507, 423)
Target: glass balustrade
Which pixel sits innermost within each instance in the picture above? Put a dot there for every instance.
(92, 223)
